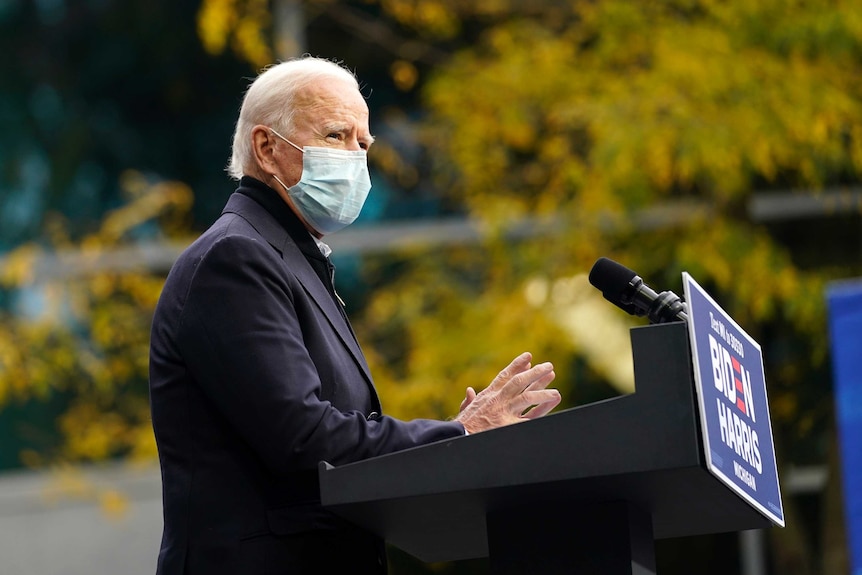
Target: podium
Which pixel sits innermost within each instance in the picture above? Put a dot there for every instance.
(585, 490)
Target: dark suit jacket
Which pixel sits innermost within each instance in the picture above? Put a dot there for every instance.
(255, 377)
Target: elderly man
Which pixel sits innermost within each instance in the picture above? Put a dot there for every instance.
(255, 372)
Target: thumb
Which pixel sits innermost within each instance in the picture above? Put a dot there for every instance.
(468, 399)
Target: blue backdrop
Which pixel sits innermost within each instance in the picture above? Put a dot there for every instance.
(845, 330)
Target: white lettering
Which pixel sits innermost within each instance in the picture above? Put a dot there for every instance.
(745, 377)
(727, 376)
(735, 344)
(736, 433)
(715, 353)
(737, 437)
(722, 422)
(758, 462)
(745, 475)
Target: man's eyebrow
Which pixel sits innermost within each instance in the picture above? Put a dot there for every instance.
(343, 128)
(334, 127)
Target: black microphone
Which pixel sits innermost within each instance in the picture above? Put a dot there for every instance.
(625, 289)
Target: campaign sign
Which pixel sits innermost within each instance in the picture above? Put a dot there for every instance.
(734, 413)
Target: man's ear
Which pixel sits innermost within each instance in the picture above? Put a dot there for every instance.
(263, 149)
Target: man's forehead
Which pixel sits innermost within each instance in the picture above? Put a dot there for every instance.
(334, 92)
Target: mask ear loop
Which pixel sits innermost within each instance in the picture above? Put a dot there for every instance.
(279, 181)
(286, 140)
(292, 144)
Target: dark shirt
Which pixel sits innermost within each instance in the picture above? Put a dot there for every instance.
(275, 205)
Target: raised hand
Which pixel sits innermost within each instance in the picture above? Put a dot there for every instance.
(517, 393)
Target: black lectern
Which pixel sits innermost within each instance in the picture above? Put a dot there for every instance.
(586, 490)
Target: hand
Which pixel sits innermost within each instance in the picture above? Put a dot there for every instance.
(518, 393)
(468, 399)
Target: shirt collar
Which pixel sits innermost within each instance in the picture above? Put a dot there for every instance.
(275, 205)
(324, 248)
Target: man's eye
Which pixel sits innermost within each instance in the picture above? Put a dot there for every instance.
(335, 135)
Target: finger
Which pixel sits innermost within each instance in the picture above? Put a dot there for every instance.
(543, 408)
(534, 394)
(533, 378)
(468, 398)
(515, 367)
(539, 378)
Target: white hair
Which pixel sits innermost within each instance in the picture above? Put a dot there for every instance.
(271, 101)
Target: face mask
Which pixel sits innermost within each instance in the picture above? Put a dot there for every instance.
(333, 187)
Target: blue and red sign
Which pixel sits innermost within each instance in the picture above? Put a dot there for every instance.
(734, 412)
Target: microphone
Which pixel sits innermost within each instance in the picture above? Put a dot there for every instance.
(625, 289)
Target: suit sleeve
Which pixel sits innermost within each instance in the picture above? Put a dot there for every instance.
(242, 342)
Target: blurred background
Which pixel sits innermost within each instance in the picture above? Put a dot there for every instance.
(516, 143)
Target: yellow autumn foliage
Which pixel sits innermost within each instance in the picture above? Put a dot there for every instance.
(88, 334)
(578, 124)
(241, 24)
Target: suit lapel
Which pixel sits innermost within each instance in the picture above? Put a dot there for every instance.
(308, 278)
(277, 236)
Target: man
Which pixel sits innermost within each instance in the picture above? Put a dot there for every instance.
(255, 373)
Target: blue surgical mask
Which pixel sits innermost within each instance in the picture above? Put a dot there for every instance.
(333, 186)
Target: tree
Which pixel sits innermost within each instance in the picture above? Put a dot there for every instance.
(90, 90)
(635, 130)
(586, 118)
(87, 336)
(640, 131)
(105, 108)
